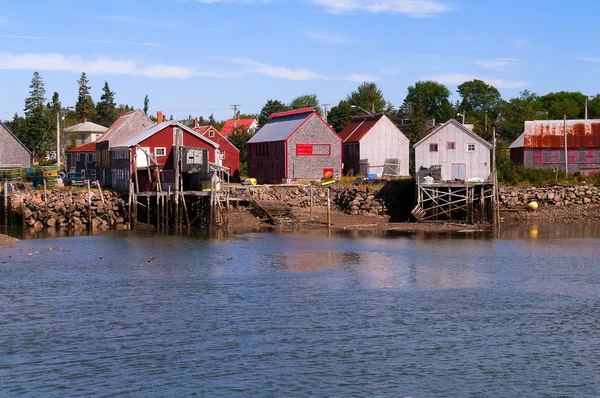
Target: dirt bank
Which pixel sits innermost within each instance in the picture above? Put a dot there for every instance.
(241, 219)
(6, 240)
(589, 213)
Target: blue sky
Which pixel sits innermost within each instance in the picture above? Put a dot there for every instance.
(200, 56)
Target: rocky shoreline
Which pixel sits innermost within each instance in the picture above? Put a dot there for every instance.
(70, 209)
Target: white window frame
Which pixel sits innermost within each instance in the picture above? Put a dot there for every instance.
(164, 151)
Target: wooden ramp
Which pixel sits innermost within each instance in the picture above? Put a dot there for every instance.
(276, 212)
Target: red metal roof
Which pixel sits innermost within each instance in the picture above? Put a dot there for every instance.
(241, 124)
(359, 127)
(218, 137)
(91, 147)
(551, 134)
(294, 112)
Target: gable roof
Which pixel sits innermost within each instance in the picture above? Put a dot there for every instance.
(242, 124)
(90, 147)
(281, 125)
(519, 142)
(143, 135)
(14, 136)
(359, 127)
(461, 127)
(220, 139)
(126, 126)
(86, 127)
(551, 134)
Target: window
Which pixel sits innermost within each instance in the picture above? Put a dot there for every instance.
(451, 146)
(313, 149)
(590, 156)
(211, 133)
(470, 147)
(433, 147)
(555, 156)
(160, 151)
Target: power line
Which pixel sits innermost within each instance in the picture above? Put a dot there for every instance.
(235, 106)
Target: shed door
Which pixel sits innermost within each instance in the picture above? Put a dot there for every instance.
(141, 157)
(459, 171)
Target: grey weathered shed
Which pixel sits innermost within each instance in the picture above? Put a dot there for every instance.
(294, 145)
(13, 154)
(461, 154)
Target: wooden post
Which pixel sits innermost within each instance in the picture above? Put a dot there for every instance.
(89, 200)
(177, 187)
(45, 203)
(187, 217)
(169, 209)
(129, 207)
(158, 216)
(328, 209)
(148, 219)
(311, 202)
(5, 203)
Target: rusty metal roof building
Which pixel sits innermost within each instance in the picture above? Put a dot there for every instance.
(359, 127)
(551, 134)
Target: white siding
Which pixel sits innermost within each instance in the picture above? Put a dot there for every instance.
(385, 141)
(477, 162)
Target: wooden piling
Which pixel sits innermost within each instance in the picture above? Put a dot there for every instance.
(328, 209)
(89, 200)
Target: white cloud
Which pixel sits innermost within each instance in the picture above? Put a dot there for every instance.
(412, 8)
(454, 79)
(252, 66)
(327, 38)
(2, 20)
(27, 37)
(75, 63)
(495, 63)
(588, 59)
(389, 71)
(361, 78)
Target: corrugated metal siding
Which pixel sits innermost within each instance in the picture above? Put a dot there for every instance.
(551, 134)
(385, 141)
(477, 162)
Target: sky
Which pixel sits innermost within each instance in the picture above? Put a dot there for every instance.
(199, 57)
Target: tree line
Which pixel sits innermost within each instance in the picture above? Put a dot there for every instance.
(479, 104)
(37, 127)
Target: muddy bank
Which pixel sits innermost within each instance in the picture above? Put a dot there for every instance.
(6, 240)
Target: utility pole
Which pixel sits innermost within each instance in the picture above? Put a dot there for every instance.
(566, 151)
(235, 107)
(325, 111)
(58, 140)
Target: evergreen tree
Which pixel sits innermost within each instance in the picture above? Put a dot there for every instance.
(146, 104)
(211, 120)
(37, 123)
(106, 108)
(85, 105)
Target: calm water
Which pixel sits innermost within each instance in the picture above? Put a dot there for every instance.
(302, 315)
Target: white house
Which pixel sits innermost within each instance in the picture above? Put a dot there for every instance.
(372, 144)
(462, 154)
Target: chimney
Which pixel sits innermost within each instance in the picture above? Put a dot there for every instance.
(164, 118)
(196, 124)
(159, 117)
(85, 119)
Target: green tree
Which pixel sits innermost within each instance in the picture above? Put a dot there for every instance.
(569, 103)
(433, 98)
(306, 101)
(239, 138)
(478, 96)
(85, 105)
(211, 120)
(272, 106)
(515, 112)
(146, 104)
(369, 97)
(594, 107)
(106, 108)
(340, 115)
(37, 122)
(481, 105)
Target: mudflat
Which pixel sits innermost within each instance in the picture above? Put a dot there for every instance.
(6, 240)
